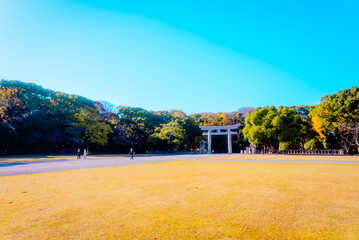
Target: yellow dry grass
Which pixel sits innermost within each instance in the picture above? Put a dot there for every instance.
(184, 200)
(272, 157)
(55, 158)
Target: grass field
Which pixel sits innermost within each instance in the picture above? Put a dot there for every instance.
(230, 157)
(38, 158)
(271, 157)
(184, 200)
(34, 158)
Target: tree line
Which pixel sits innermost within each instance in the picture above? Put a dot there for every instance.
(34, 120)
(332, 124)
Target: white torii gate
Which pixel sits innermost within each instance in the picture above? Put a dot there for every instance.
(219, 130)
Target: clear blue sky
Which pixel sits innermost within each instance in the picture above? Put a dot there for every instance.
(198, 56)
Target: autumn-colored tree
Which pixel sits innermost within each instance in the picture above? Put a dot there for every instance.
(338, 115)
(9, 104)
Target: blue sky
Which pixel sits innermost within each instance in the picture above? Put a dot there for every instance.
(197, 56)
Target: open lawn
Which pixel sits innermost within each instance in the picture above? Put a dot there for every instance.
(274, 157)
(228, 157)
(184, 200)
(38, 158)
(34, 158)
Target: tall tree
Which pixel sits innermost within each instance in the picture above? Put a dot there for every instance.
(172, 133)
(338, 115)
(241, 142)
(38, 118)
(268, 126)
(308, 136)
(88, 128)
(136, 125)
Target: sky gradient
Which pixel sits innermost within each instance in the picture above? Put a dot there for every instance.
(197, 56)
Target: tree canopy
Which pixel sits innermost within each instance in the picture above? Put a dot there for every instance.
(269, 126)
(37, 120)
(337, 118)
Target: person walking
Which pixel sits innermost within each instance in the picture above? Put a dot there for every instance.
(78, 153)
(85, 153)
(131, 153)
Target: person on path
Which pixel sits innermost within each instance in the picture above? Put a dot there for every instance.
(85, 153)
(78, 153)
(131, 153)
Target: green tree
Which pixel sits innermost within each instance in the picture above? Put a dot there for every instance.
(40, 118)
(136, 125)
(176, 134)
(241, 142)
(312, 144)
(307, 131)
(337, 117)
(177, 114)
(268, 126)
(193, 132)
(166, 116)
(89, 129)
(171, 133)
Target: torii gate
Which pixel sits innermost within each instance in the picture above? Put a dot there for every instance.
(219, 130)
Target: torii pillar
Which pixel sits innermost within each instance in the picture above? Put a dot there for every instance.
(229, 137)
(209, 142)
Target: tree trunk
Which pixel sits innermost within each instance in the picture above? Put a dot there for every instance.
(346, 137)
(356, 137)
(345, 143)
(271, 148)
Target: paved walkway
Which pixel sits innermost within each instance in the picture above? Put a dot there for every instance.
(18, 168)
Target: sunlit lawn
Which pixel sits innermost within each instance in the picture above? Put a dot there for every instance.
(38, 158)
(287, 157)
(184, 200)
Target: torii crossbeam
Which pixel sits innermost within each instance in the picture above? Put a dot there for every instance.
(219, 130)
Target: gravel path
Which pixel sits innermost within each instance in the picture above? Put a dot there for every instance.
(18, 168)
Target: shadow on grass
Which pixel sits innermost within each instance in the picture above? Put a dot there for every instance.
(12, 164)
(18, 163)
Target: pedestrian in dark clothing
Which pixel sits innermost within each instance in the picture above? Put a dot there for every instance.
(131, 153)
(78, 153)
